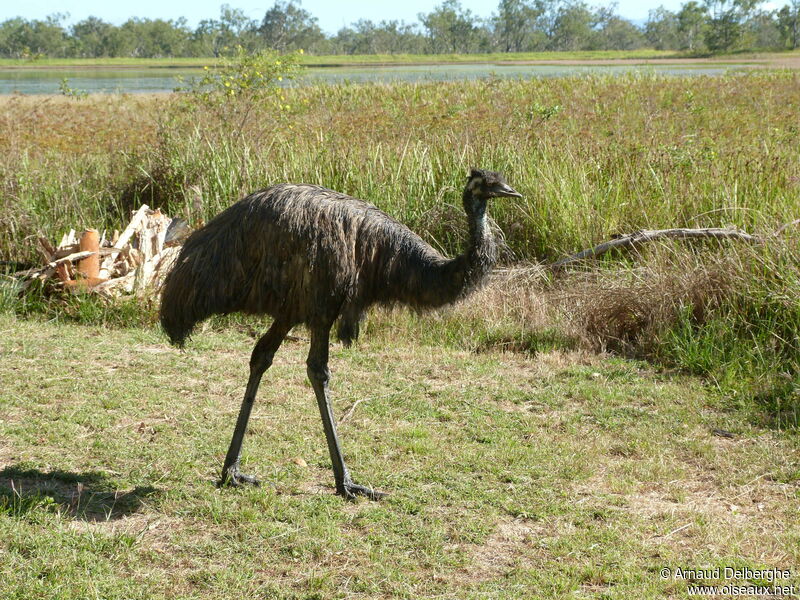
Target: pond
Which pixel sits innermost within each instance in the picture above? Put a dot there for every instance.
(161, 79)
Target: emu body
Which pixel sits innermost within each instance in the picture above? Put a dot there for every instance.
(305, 254)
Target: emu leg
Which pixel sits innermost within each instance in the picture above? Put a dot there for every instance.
(319, 375)
(260, 361)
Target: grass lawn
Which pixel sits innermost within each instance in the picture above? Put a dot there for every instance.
(511, 476)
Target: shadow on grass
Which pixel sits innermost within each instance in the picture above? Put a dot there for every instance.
(86, 496)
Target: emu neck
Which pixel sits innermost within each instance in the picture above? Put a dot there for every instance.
(480, 254)
(424, 279)
(460, 276)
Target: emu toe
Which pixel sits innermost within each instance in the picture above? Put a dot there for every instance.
(233, 478)
(350, 490)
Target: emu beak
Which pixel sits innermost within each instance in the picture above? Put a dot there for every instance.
(503, 190)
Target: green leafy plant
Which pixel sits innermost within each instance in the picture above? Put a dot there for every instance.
(241, 83)
(66, 90)
(542, 112)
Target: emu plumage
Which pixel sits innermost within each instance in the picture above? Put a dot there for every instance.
(304, 254)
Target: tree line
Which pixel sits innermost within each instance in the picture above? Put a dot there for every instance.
(515, 26)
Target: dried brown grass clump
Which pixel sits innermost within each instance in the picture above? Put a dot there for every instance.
(515, 294)
(620, 309)
(624, 309)
(629, 308)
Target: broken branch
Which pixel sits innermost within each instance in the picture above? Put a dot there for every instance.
(71, 257)
(123, 239)
(648, 235)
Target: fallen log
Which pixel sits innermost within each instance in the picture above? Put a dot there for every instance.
(648, 235)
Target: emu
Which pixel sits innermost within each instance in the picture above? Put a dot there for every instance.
(304, 254)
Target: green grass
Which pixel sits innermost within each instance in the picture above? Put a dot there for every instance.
(593, 156)
(510, 477)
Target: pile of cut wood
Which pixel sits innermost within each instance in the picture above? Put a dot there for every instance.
(134, 261)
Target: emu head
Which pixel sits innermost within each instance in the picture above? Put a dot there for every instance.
(482, 185)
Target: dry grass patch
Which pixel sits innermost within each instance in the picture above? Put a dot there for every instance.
(44, 125)
(504, 549)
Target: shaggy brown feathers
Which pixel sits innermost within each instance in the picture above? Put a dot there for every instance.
(311, 255)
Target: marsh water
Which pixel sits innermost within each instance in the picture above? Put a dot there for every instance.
(160, 79)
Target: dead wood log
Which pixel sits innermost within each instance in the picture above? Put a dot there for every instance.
(137, 262)
(89, 267)
(47, 247)
(68, 239)
(648, 235)
(123, 239)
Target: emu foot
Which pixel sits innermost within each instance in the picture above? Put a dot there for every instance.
(233, 478)
(350, 490)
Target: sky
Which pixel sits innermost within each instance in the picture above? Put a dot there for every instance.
(332, 14)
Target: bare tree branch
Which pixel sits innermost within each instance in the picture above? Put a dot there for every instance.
(648, 235)
(786, 226)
